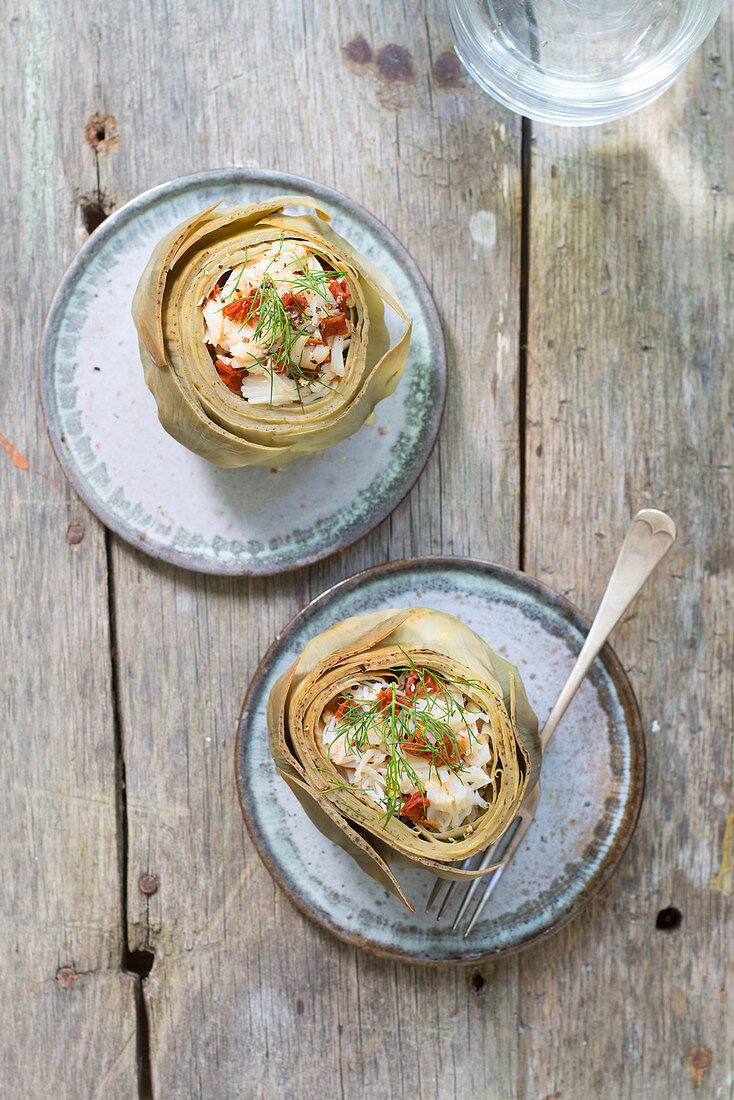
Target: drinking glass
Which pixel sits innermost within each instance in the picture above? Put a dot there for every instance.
(578, 62)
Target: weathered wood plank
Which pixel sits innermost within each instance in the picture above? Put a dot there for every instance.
(60, 906)
(630, 403)
(246, 997)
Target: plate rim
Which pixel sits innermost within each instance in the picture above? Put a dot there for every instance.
(628, 701)
(120, 217)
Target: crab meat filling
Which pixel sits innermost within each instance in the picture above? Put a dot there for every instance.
(417, 747)
(279, 326)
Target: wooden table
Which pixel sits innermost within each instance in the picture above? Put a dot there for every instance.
(584, 281)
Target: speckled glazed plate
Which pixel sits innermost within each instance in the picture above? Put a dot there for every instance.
(593, 775)
(169, 502)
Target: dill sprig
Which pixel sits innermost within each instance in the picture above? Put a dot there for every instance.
(404, 726)
(315, 280)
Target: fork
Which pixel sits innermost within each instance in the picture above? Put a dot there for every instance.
(648, 539)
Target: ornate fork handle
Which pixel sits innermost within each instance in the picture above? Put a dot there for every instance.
(650, 536)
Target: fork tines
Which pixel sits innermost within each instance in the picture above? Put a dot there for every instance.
(502, 851)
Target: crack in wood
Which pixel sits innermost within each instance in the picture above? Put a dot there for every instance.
(101, 135)
(522, 381)
(140, 962)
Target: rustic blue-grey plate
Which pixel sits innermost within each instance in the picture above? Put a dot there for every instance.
(593, 775)
(104, 428)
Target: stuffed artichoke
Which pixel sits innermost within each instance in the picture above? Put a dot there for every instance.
(406, 738)
(262, 334)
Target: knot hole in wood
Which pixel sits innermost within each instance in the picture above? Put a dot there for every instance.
(669, 919)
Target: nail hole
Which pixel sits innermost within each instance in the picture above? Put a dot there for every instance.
(447, 70)
(74, 533)
(101, 133)
(477, 982)
(395, 63)
(140, 962)
(699, 1063)
(148, 884)
(358, 51)
(668, 920)
(66, 976)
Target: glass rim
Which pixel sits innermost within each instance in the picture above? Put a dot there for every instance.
(651, 77)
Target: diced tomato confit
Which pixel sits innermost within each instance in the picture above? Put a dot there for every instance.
(414, 683)
(339, 290)
(294, 301)
(335, 325)
(415, 807)
(244, 309)
(341, 710)
(451, 751)
(383, 700)
(447, 750)
(232, 378)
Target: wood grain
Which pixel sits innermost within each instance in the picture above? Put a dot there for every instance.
(630, 404)
(71, 1034)
(246, 997)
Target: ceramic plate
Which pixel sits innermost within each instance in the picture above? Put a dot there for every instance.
(593, 775)
(169, 502)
